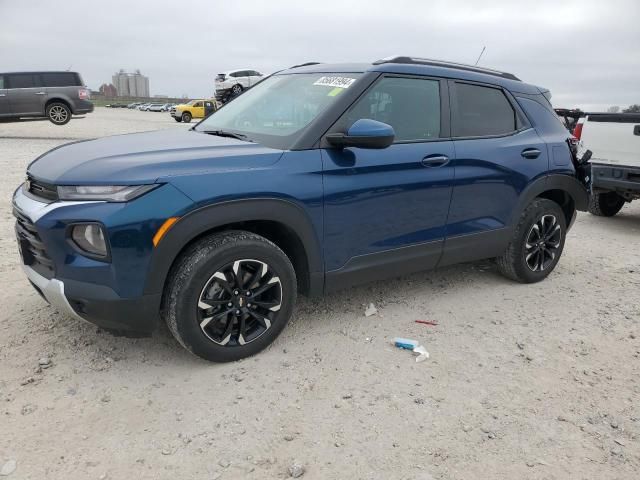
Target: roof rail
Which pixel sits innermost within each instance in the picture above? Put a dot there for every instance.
(306, 64)
(441, 63)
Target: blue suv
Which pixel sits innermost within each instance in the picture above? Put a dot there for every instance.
(318, 178)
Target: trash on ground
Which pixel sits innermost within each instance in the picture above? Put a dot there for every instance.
(422, 353)
(371, 310)
(414, 346)
(405, 343)
(427, 322)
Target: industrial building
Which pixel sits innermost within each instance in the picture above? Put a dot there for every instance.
(131, 84)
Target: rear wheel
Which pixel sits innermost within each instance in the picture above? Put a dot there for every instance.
(537, 243)
(230, 296)
(605, 204)
(58, 113)
(186, 117)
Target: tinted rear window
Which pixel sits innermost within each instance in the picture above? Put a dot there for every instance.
(482, 111)
(24, 80)
(61, 79)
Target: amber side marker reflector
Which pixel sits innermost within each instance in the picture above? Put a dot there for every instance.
(168, 223)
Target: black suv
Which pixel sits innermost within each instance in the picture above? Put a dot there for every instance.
(55, 95)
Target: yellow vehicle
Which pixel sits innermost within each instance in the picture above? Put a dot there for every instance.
(194, 109)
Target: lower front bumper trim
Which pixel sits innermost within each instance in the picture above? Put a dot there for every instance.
(53, 292)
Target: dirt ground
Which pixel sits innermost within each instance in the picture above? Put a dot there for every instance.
(524, 381)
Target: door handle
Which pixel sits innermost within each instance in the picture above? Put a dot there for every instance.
(435, 161)
(531, 153)
(41, 93)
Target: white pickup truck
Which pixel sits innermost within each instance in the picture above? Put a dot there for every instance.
(614, 141)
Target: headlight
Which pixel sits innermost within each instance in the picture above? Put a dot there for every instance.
(89, 238)
(110, 193)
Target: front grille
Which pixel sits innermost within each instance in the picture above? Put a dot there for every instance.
(31, 247)
(42, 190)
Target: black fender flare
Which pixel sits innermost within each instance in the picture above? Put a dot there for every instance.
(201, 220)
(567, 183)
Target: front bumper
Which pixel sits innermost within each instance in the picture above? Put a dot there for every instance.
(110, 294)
(98, 305)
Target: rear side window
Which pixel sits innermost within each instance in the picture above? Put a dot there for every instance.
(481, 111)
(1, 82)
(61, 79)
(410, 105)
(24, 80)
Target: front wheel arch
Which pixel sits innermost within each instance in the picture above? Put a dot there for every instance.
(280, 221)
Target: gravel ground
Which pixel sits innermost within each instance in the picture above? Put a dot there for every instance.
(524, 381)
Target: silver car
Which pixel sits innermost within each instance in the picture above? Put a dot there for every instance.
(53, 95)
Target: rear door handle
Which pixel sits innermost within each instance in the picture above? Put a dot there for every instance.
(531, 153)
(435, 161)
(41, 93)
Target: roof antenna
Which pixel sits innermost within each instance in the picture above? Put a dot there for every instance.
(480, 56)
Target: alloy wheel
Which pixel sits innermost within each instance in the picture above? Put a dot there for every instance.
(239, 302)
(543, 242)
(58, 114)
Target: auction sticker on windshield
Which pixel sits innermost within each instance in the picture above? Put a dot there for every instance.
(336, 82)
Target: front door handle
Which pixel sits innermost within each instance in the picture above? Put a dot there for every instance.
(531, 153)
(435, 161)
(41, 93)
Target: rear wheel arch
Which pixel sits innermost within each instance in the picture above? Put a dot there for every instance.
(58, 100)
(565, 190)
(280, 221)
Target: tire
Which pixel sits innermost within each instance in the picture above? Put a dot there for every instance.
(525, 260)
(605, 204)
(236, 89)
(186, 117)
(58, 113)
(212, 330)
(177, 119)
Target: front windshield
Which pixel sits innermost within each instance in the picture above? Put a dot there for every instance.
(279, 106)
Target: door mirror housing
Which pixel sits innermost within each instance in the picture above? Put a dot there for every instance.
(364, 133)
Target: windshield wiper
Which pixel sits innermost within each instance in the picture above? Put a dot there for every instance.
(226, 133)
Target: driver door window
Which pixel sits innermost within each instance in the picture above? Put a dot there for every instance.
(410, 105)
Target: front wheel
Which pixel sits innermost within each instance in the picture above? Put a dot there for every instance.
(236, 89)
(58, 113)
(186, 117)
(537, 243)
(605, 204)
(230, 296)
(177, 119)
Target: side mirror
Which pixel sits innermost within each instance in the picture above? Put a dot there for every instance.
(364, 133)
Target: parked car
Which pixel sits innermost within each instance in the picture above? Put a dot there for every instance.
(134, 105)
(233, 82)
(54, 95)
(156, 107)
(319, 178)
(613, 140)
(194, 109)
(144, 107)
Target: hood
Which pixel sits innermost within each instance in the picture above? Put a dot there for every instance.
(140, 158)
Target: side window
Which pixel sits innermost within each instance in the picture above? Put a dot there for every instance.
(410, 105)
(234, 74)
(197, 104)
(60, 79)
(481, 111)
(1, 82)
(22, 80)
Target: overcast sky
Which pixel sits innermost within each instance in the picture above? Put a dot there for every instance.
(586, 52)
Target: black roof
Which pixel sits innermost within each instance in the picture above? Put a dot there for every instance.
(442, 63)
